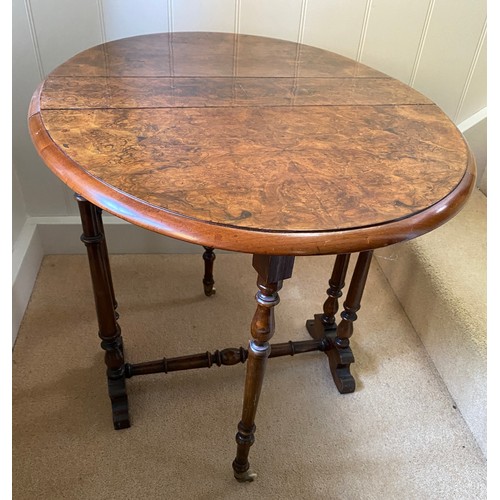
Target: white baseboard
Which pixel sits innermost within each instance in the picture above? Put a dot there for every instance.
(473, 120)
(27, 256)
(61, 235)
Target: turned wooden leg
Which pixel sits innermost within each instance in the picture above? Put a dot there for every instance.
(208, 278)
(272, 270)
(100, 228)
(325, 322)
(109, 330)
(340, 356)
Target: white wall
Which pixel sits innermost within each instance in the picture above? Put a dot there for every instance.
(19, 215)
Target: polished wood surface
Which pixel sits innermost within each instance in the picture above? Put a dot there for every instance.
(250, 144)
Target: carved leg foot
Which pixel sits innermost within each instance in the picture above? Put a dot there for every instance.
(317, 329)
(339, 359)
(119, 403)
(340, 355)
(105, 303)
(208, 278)
(272, 271)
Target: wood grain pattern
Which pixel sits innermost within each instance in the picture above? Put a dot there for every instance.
(250, 144)
(209, 54)
(187, 92)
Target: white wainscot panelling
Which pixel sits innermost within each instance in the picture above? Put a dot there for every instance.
(276, 19)
(41, 190)
(18, 208)
(123, 18)
(335, 26)
(69, 197)
(200, 15)
(63, 28)
(393, 35)
(475, 93)
(450, 44)
(476, 136)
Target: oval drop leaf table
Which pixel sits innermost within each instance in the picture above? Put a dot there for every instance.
(254, 145)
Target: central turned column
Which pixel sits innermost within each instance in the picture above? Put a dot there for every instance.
(272, 270)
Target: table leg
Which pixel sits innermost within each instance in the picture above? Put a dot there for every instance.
(104, 246)
(323, 325)
(334, 292)
(109, 330)
(208, 278)
(272, 270)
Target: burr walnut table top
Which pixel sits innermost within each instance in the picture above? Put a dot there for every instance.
(250, 144)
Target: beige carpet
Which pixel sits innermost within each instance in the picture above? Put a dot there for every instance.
(446, 303)
(397, 437)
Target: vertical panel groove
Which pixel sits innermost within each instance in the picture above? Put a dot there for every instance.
(300, 38)
(171, 29)
(364, 29)
(100, 10)
(34, 39)
(472, 69)
(236, 42)
(170, 16)
(237, 16)
(302, 21)
(421, 43)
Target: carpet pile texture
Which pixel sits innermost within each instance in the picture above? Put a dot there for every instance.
(399, 436)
